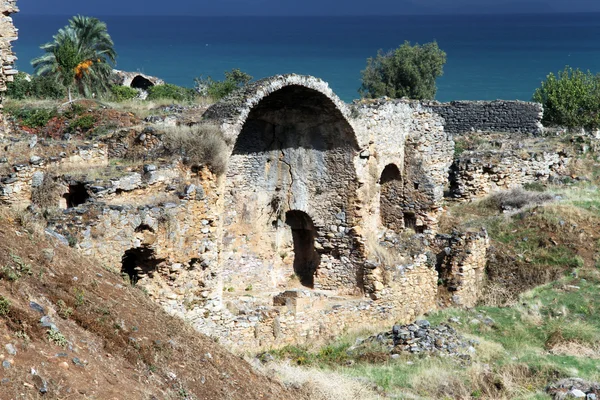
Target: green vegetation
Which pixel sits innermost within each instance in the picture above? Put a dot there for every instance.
(33, 117)
(39, 87)
(83, 123)
(56, 337)
(234, 79)
(123, 93)
(80, 57)
(4, 306)
(171, 92)
(15, 269)
(549, 335)
(571, 99)
(409, 71)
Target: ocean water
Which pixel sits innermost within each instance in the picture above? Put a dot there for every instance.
(489, 57)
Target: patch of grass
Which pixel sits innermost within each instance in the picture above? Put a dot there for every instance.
(512, 359)
(199, 145)
(4, 306)
(56, 337)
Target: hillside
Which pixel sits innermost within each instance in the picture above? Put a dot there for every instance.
(110, 341)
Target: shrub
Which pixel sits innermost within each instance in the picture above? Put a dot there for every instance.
(83, 123)
(199, 145)
(20, 87)
(123, 93)
(39, 87)
(4, 306)
(216, 90)
(33, 117)
(170, 92)
(571, 99)
(409, 71)
(56, 337)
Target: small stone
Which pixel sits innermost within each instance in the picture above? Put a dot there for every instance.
(6, 364)
(578, 394)
(10, 349)
(63, 365)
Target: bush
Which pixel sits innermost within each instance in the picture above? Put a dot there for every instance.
(83, 123)
(171, 92)
(216, 90)
(199, 145)
(4, 306)
(409, 71)
(123, 93)
(571, 99)
(39, 87)
(33, 117)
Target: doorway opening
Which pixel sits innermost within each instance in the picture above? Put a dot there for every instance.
(306, 257)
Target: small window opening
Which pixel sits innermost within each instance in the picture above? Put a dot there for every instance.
(306, 258)
(139, 262)
(76, 195)
(416, 186)
(143, 228)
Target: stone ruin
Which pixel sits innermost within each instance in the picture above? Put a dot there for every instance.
(8, 34)
(326, 219)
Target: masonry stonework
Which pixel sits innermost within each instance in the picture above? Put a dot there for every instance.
(490, 116)
(325, 220)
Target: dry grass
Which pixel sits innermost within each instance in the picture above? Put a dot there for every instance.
(200, 145)
(128, 343)
(321, 384)
(516, 199)
(145, 108)
(48, 193)
(478, 381)
(384, 255)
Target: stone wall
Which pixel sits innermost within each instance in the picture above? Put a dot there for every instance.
(477, 173)
(21, 178)
(8, 34)
(490, 116)
(461, 266)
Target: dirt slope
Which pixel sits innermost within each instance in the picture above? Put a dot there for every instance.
(119, 344)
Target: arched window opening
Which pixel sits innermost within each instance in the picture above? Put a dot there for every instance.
(391, 195)
(306, 258)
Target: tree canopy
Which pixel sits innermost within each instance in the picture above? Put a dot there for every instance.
(408, 71)
(571, 99)
(81, 56)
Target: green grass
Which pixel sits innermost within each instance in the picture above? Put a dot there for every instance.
(514, 352)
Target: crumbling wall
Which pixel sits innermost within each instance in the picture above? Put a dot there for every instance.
(8, 34)
(490, 116)
(411, 137)
(477, 173)
(461, 266)
(21, 178)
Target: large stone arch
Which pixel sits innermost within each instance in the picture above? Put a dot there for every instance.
(292, 149)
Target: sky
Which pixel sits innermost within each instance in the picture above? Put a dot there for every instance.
(300, 7)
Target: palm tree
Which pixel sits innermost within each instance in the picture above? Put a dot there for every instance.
(81, 55)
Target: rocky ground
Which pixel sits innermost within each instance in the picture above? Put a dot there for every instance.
(71, 329)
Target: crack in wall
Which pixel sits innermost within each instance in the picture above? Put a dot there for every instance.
(290, 192)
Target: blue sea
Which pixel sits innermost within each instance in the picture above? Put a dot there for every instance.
(489, 57)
